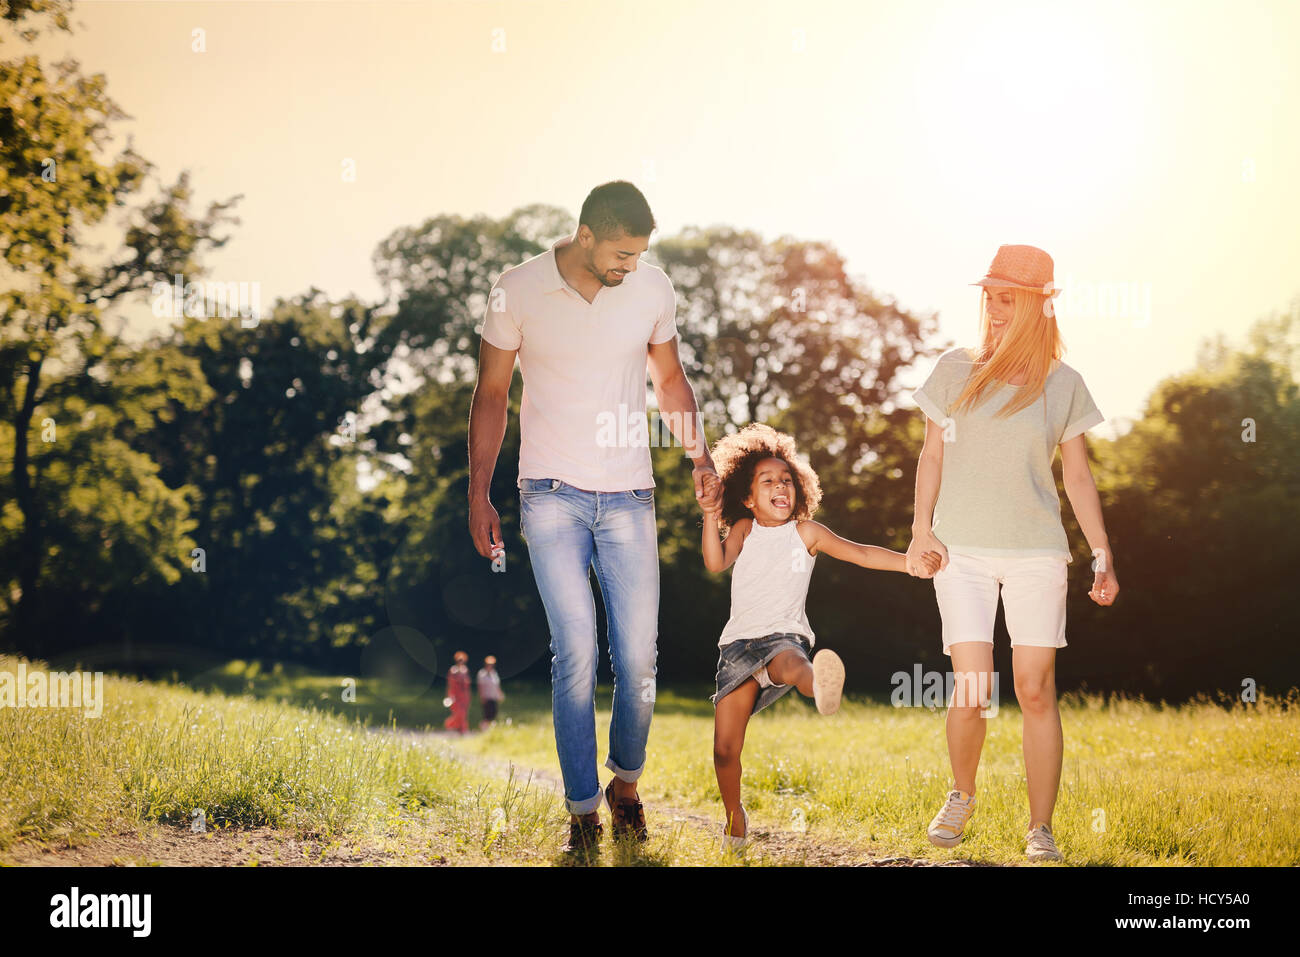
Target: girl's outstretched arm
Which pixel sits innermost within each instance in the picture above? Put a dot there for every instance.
(820, 538)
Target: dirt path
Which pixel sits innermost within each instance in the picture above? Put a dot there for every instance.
(779, 846)
(169, 845)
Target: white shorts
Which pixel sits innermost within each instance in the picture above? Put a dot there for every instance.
(1033, 597)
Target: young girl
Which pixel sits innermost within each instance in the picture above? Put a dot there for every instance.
(768, 499)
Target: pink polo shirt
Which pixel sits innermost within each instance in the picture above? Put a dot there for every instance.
(582, 419)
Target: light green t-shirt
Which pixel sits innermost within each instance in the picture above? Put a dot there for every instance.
(997, 495)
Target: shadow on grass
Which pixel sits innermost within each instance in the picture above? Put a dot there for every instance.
(616, 853)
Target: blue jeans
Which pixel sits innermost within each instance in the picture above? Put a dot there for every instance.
(570, 531)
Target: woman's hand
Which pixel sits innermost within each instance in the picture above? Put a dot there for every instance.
(1105, 586)
(923, 542)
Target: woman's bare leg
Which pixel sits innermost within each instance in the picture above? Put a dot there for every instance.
(730, 718)
(972, 665)
(1035, 673)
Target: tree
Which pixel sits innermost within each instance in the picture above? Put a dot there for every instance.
(293, 549)
(1202, 502)
(54, 188)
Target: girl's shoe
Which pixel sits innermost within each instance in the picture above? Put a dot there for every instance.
(736, 844)
(1041, 846)
(828, 680)
(949, 825)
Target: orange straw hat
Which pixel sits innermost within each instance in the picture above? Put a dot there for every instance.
(1021, 267)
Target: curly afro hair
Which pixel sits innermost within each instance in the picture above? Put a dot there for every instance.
(736, 456)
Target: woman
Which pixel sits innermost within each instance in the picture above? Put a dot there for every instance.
(986, 501)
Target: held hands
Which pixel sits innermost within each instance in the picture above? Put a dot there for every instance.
(926, 556)
(708, 490)
(930, 562)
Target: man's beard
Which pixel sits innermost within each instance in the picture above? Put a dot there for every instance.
(616, 281)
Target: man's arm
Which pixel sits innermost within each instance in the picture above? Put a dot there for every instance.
(487, 428)
(677, 406)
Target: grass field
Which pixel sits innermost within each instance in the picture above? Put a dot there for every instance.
(1198, 784)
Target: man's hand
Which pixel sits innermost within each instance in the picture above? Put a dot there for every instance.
(708, 488)
(485, 528)
(712, 493)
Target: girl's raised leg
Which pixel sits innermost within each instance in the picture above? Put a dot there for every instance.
(972, 665)
(730, 718)
(822, 679)
(1035, 673)
(792, 668)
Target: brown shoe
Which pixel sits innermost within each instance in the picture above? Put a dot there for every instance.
(584, 833)
(628, 815)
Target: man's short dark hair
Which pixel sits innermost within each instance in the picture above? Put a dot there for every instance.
(614, 206)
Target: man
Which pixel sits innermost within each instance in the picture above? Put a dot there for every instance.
(585, 317)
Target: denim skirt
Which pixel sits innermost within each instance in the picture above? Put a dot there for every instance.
(739, 659)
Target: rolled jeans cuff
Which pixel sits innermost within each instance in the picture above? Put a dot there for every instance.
(628, 776)
(579, 808)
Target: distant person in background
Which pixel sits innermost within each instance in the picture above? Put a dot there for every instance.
(489, 690)
(986, 500)
(458, 694)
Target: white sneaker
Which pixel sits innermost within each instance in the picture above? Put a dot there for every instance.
(949, 825)
(828, 680)
(1041, 846)
(736, 844)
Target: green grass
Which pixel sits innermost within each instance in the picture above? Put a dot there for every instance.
(322, 771)
(1202, 783)
(158, 751)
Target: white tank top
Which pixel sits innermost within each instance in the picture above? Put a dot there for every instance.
(769, 582)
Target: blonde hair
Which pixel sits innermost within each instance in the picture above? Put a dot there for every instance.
(1030, 344)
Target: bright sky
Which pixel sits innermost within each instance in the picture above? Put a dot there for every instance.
(1151, 148)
